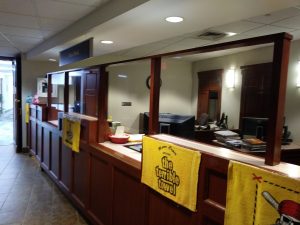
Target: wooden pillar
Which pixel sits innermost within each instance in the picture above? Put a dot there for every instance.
(49, 90)
(103, 127)
(277, 104)
(154, 95)
(66, 93)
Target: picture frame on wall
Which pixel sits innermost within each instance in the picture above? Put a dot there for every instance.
(42, 88)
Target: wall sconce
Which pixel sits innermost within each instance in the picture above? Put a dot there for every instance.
(298, 75)
(230, 78)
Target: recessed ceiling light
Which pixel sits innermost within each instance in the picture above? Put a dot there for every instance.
(174, 19)
(107, 42)
(52, 60)
(231, 34)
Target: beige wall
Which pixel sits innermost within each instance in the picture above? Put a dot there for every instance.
(31, 70)
(175, 94)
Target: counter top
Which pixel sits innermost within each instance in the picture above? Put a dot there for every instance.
(290, 170)
(123, 153)
(81, 116)
(134, 158)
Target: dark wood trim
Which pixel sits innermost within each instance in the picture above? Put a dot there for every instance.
(49, 90)
(154, 95)
(216, 47)
(66, 93)
(103, 128)
(18, 103)
(277, 104)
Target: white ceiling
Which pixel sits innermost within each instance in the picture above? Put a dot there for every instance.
(42, 28)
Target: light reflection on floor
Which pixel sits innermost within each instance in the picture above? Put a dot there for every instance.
(6, 128)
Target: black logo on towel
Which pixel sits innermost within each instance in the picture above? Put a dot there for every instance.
(168, 181)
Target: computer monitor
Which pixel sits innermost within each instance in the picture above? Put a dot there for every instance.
(255, 126)
(177, 125)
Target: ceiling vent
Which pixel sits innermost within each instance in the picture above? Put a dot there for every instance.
(211, 36)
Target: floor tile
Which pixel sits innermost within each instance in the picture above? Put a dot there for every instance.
(28, 196)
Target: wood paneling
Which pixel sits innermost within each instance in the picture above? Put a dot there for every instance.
(33, 131)
(213, 187)
(128, 200)
(55, 154)
(46, 148)
(163, 211)
(66, 167)
(81, 180)
(101, 190)
(90, 93)
(39, 141)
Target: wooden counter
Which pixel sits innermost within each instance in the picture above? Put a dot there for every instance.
(103, 180)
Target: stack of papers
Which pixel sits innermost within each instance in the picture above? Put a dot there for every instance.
(226, 135)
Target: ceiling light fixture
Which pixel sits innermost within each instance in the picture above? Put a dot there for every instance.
(174, 19)
(107, 42)
(52, 60)
(229, 34)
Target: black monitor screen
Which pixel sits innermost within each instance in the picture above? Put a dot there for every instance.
(254, 126)
(177, 125)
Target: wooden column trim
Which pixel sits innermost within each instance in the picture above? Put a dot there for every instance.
(277, 104)
(49, 90)
(66, 93)
(154, 95)
(103, 127)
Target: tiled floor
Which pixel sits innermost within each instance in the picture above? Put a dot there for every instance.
(28, 196)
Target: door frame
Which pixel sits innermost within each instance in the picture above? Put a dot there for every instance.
(17, 105)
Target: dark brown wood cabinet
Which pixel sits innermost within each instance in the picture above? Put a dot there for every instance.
(90, 97)
(256, 90)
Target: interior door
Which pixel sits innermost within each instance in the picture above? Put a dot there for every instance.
(209, 93)
(17, 104)
(256, 90)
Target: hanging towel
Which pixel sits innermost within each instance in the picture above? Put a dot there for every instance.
(260, 197)
(71, 133)
(27, 112)
(171, 170)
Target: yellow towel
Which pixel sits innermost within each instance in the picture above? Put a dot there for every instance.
(171, 170)
(71, 133)
(260, 197)
(27, 113)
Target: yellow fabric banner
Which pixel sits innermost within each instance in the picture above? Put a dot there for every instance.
(71, 133)
(260, 197)
(27, 113)
(171, 170)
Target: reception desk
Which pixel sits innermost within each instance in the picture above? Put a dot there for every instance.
(103, 179)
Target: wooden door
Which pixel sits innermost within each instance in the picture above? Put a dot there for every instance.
(90, 96)
(256, 90)
(209, 84)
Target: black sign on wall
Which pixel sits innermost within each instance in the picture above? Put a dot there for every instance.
(76, 53)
